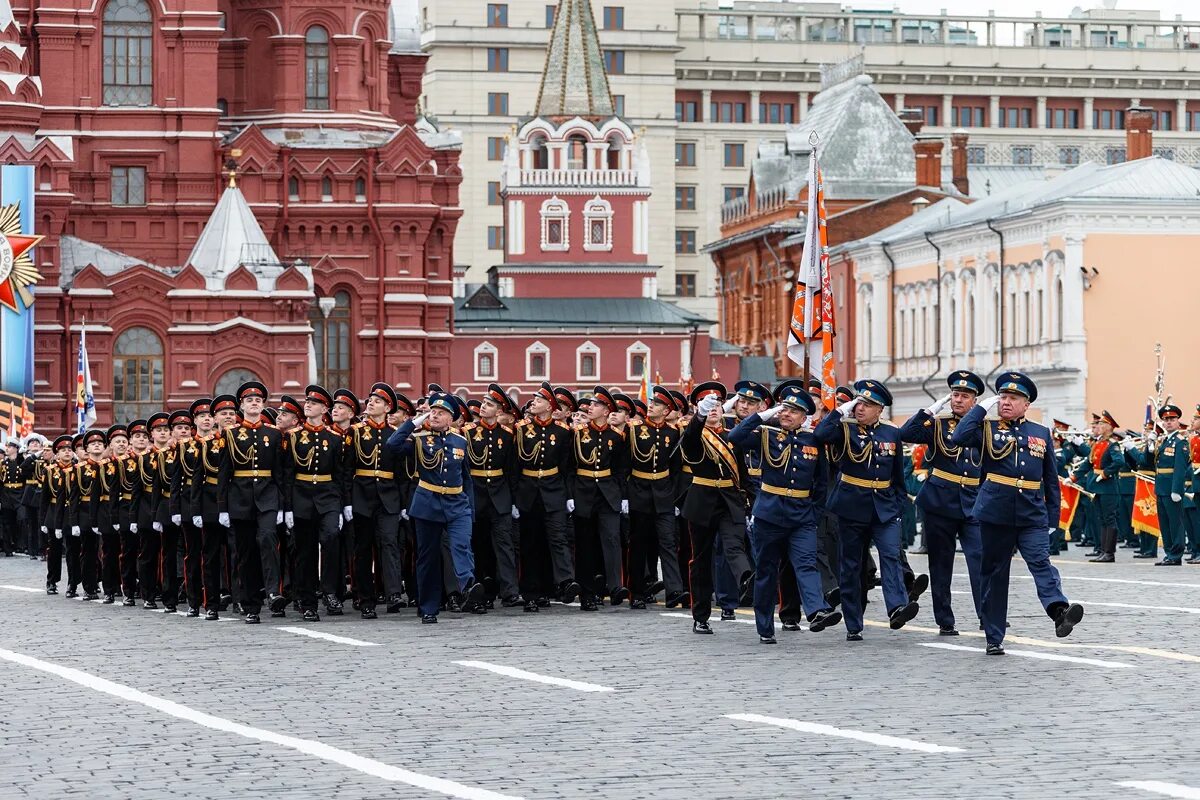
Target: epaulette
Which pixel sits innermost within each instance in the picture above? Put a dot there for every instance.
(888, 423)
(562, 424)
(508, 428)
(521, 423)
(422, 433)
(470, 426)
(767, 427)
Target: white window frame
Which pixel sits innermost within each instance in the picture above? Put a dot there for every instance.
(587, 348)
(537, 347)
(636, 347)
(485, 348)
(598, 209)
(555, 208)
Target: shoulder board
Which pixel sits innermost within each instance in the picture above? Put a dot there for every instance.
(888, 424)
(774, 428)
(470, 426)
(508, 428)
(562, 424)
(422, 433)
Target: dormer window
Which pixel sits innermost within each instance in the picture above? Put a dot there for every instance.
(556, 216)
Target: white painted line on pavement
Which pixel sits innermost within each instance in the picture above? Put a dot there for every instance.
(689, 616)
(320, 750)
(1136, 606)
(1091, 662)
(512, 672)
(10, 587)
(862, 736)
(1127, 581)
(1163, 788)
(329, 637)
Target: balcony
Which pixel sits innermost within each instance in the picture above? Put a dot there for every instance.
(578, 177)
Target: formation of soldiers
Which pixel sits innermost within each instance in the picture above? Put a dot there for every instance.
(752, 497)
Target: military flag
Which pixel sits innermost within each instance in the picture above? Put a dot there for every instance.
(1145, 507)
(1069, 494)
(85, 400)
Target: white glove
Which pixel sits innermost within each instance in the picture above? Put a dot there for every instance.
(570, 506)
(116, 528)
(516, 513)
(625, 507)
(706, 405)
(403, 513)
(223, 519)
(340, 522)
(58, 533)
(847, 408)
(348, 512)
(177, 520)
(770, 413)
(289, 519)
(727, 407)
(677, 511)
(96, 531)
(44, 529)
(197, 522)
(133, 527)
(921, 477)
(1077, 440)
(1129, 444)
(1053, 531)
(74, 530)
(157, 526)
(750, 521)
(279, 518)
(938, 405)
(419, 419)
(1176, 497)
(990, 403)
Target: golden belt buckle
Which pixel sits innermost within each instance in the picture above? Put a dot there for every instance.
(1020, 483)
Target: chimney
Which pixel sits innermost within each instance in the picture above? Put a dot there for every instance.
(1139, 139)
(929, 160)
(913, 119)
(958, 161)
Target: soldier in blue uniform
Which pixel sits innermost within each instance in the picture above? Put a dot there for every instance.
(868, 498)
(1017, 505)
(948, 495)
(1108, 464)
(785, 517)
(1171, 462)
(442, 503)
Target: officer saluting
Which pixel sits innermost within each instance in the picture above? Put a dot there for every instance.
(948, 496)
(868, 499)
(442, 503)
(785, 518)
(1017, 506)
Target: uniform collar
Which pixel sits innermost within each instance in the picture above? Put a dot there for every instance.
(376, 426)
(652, 424)
(313, 428)
(592, 424)
(549, 421)
(252, 425)
(490, 426)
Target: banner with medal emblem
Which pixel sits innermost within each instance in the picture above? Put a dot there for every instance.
(18, 275)
(1145, 507)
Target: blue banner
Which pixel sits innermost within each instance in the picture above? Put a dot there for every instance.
(18, 274)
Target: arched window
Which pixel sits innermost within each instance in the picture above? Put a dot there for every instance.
(541, 153)
(577, 152)
(293, 188)
(537, 362)
(597, 224)
(485, 362)
(330, 320)
(137, 374)
(555, 215)
(128, 46)
(613, 154)
(587, 362)
(637, 359)
(231, 380)
(316, 68)
(326, 189)
(360, 190)
(1058, 309)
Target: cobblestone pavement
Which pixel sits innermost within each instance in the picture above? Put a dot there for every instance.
(105, 701)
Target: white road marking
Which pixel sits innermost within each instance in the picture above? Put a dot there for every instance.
(329, 637)
(862, 736)
(1163, 788)
(743, 621)
(1107, 580)
(367, 766)
(1136, 606)
(512, 672)
(1091, 662)
(10, 587)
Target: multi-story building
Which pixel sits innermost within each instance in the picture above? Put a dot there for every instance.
(709, 83)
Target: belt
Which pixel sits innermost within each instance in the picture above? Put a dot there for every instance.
(375, 473)
(1167, 471)
(779, 490)
(126, 496)
(31, 483)
(252, 473)
(304, 478)
(211, 481)
(754, 471)
(104, 498)
(687, 469)
(864, 483)
(651, 476)
(440, 489)
(1126, 475)
(14, 485)
(593, 473)
(147, 489)
(487, 473)
(961, 480)
(166, 494)
(540, 473)
(1020, 483)
(713, 482)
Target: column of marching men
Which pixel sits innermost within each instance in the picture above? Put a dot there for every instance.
(754, 497)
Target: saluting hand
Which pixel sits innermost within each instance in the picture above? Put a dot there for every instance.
(419, 419)
(847, 408)
(990, 403)
(938, 405)
(728, 405)
(769, 414)
(706, 405)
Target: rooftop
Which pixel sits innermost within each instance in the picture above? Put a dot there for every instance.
(574, 82)
(230, 239)
(573, 313)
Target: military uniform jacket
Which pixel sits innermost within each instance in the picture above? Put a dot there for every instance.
(1171, 462)
(1020, 475)
(952, 484)
(128, 490)
(166, 465)
(716, 472)
(56, 496)
(205, 498)
(655, 468)
(545, 463)
(444, 489)
(147, 463)
(1111, 469)
(13, 486)
(791, 466)
(33, 473)
(601, 464)
(86, 495)
(378, 474)
(870, 482)
(250, 476)
(492, 452)
(188, 466)
(315, 476)
(751, 461)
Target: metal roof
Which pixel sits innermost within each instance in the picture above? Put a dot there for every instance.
(404, 26)
(574, 82)
(231, 238)
(575, 313)
(76, 253)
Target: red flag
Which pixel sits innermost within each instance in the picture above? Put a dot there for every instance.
(1145, 507)
(1067, 506)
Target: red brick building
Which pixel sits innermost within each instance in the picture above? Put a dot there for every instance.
(229, 191)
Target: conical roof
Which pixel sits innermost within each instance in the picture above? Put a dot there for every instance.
(574, 82)
(231, 238)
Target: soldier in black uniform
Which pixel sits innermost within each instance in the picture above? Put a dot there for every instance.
(602, 465)
(205, 504)
(11, 489)
(33, 473)
(56, 497)
(287, 417)
(492, 450)
(86, 502)
(167, 516)
(249, 485)
(715, 505)
(345, 414)
(184, 512)
(546, 460)
(110, 513)
(129, 499)
(148, 528)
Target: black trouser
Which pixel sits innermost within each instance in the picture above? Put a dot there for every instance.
(790, 609)
(306, 542)
(252, 538)
(496, 549)
(828, 549)
(8, 530)
(333, 570)
(33, 532)
(110, 565)
(193, 562)
(149, 551)
(700, 572)
(54, 556)
(653, 539)
(169, 567)
(89, 560)
(129, 560)
(72, 545)
(378, 552)
(597, 543)
(546, 561)
(287, 560)
(215, 542)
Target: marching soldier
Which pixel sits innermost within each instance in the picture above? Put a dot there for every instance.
(600, 499)
(56, 497)
(1191, 511)
(1171, 461)
(345, 412)
(149, 535)
(948, 494)
(10, 497)
(129, 499)
(1108, 463)
(287, 417)
(205, 501)
(868, 499)
(87, 499)
(491, 446)
(185, 511)
(110, 513)
(166, 517)
(1017, 506)
(33, 473)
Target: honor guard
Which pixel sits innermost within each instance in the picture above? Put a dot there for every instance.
(129, 503)
(443, 503)
(601, 459)
(112, 512)
(785, 518)
(56, 496)
(33, 473)
(1171, 461)
(87, 499)
(10, 497)
(492, 449)
(1017, 506)
(185, 511)
(149, 537)
(947, 497)
(167, 520)
(206, 510)
(249, 486)
(868, 498)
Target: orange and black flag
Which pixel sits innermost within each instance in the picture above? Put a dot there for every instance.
(1145, 507)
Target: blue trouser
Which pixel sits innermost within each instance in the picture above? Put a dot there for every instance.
(998, 544)
(725, 585)
(1091, 522)
(769, 542)
(1170, 521)
(429, 559)
(855, 537)
(1125, 519)
(941, 537)
(1191, 516)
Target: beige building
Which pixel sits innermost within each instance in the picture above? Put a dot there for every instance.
(709, 84)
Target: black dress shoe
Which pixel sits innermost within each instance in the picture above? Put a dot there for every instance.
(429, 619)
(211, 615)
(453, 603)
(791, 626)
(834, 597)
(171, 609)
(588, 604)
(902, 615)
(279, 614)
(542, 601)
(766, 640)
(823, 619)
(237, 609)
(637, 605)
(311, 615)
(193, 611)
(129, 602)
(728, 615)
(70, 592)
(701, 627)
(512, 602)
(109, 599)
(368, 612)
(995, 649)
(948, 630)
(1103, 558)
(854, 636)
(278, 602)
(568, 592)
(91, 596)
(531, 606)
(618, 596)
(1093, 554)
(1067, 619)
(150, 604)
(920, 584)
(474, 595)
(655, 588)
(51, 588)
(1192, 560)
(333, 607)
(675, 599)
(252, 619)
(226, 600)
(1145, 555)
(1169, 562)
(395, 603)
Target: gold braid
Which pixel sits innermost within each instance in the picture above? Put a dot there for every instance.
(429, 462)
(240, 457)
(302, 463)
(784, 455)
(867, 452)
(584, 459)
(996, 455)
(531, 454)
